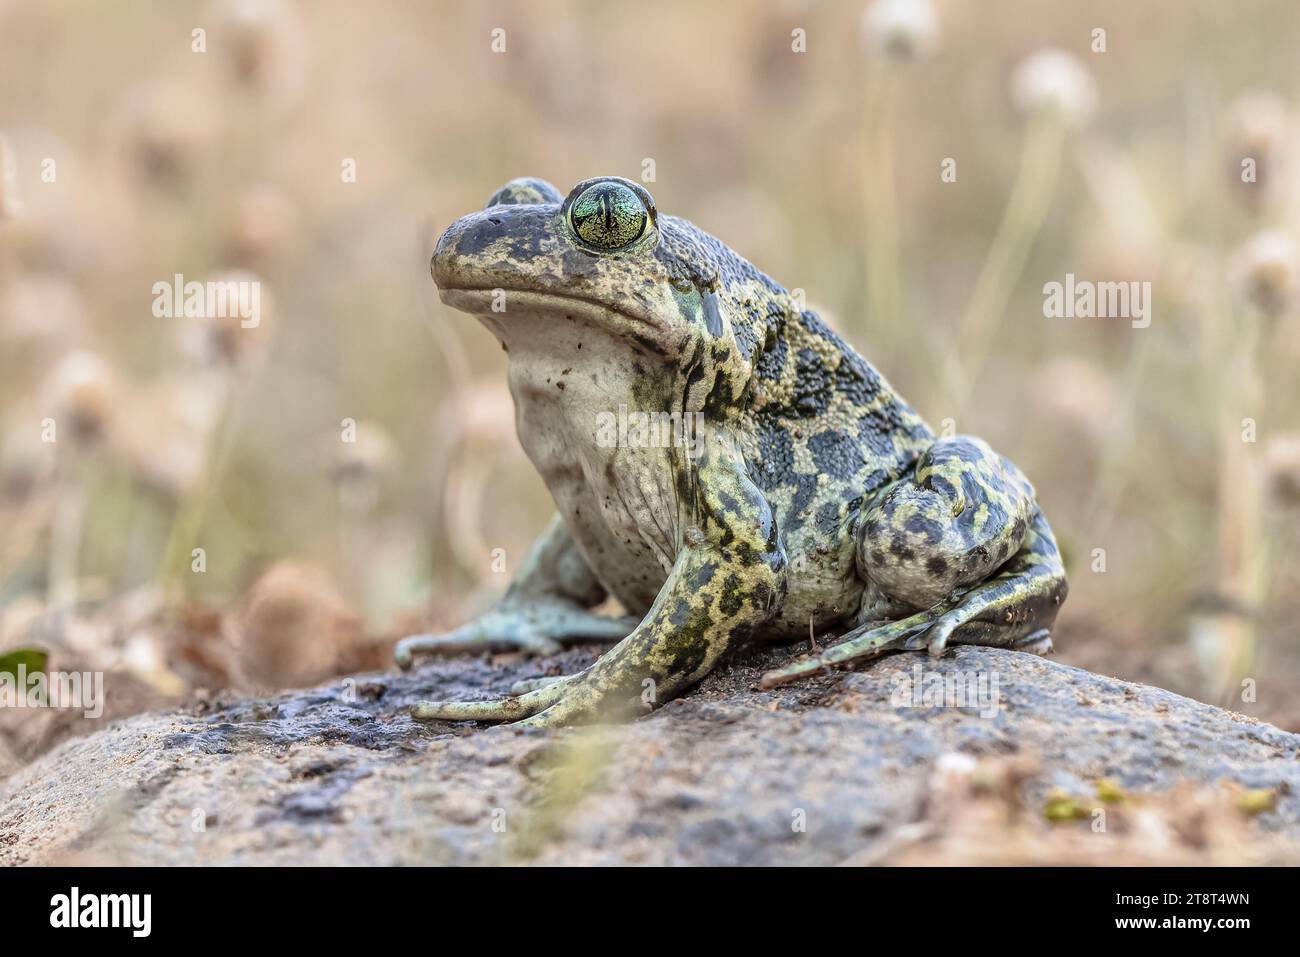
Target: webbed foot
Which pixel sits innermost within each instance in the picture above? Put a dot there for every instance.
(861, 644)
(607, 689)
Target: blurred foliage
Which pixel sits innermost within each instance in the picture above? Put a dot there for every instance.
(29, 660)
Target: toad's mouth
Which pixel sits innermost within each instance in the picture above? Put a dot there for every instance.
(501, 305)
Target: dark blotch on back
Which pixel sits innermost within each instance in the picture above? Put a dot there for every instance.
(828, 517)
(836, 454)
(813, 385)
(772, 362)
(804, 491)
(776, 447)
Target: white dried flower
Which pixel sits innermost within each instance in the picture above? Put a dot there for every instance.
(901, 29)
(1258, 133)
(241, 336)
(263, 222)
(84, 391)
(1267, 270)
(162, 133)
(251, 30)
(1057, 84)
(1257, 122)
(368, 458)
(1282, 463)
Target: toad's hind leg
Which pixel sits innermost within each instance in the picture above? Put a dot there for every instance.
(1016, 607)
(1013, 609)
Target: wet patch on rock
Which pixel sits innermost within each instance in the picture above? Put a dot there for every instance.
(321, 800)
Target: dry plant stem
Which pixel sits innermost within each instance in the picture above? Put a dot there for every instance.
(23, 534)
(1242, 548)
(881, 207)
(1031, 196)
(190, 518)
(1112, 472)
(463, 508)
(357, 499)
(66, 527)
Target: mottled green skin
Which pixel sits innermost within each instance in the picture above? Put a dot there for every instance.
(819, 498)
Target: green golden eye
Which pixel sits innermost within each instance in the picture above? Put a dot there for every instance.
(608, 216)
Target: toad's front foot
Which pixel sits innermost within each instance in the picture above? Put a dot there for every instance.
(558, 702)
(540, 625)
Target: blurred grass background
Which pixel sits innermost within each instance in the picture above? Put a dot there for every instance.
(821, 167)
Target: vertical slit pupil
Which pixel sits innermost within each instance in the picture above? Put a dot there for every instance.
(604, 216)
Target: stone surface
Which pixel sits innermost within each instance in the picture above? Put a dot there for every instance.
(822, 772)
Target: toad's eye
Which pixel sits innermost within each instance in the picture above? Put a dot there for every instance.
(608, 215)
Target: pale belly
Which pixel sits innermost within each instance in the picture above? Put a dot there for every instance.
(625, 523)
(619, 503)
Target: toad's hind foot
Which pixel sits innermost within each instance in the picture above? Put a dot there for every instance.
(910, 634)
(861, 644)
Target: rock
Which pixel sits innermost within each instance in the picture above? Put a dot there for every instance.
(825, 771)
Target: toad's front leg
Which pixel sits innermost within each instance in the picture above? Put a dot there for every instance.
(729, 579)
